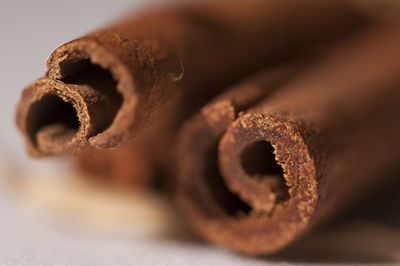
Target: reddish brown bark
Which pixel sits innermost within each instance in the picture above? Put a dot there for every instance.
(148, 73)
(256, 181)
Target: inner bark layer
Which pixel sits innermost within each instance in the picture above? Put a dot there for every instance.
(258, 161)
(229, 202)
(84, 72)
(52, 111)
(92, 89)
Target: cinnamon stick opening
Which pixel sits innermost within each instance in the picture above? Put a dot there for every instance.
(83, 91)
(84, 72)
(52, 114)
(255, 200)
(56, 116)
(258, 162)
(322, 124)
(230, 203)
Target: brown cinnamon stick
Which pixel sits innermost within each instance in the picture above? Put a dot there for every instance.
(150, 72)
(311, 149)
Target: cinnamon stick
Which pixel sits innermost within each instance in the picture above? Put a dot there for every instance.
(149, 72)
(256, 181)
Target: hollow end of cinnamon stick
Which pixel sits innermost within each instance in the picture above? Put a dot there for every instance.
(266, 161)
(246, 181)
(312, 128)
(82, 101)
(255, 190)
(51, 122)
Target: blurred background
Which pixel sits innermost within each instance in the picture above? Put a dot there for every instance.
(46, 221)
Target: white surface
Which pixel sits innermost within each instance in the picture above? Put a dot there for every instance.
(28, 240)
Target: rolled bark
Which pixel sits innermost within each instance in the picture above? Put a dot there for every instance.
(256, 181)
(148, 73)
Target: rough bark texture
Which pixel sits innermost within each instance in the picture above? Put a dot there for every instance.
(312, 148)
(148, 73)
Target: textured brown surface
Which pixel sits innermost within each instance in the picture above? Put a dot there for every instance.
(161, 66)
(333, 130)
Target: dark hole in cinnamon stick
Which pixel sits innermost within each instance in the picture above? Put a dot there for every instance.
(84, 72)
(228, 201)
(58, 119)
(258, 161)
(52, 111)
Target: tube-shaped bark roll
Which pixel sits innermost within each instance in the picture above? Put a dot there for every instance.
(314, 147)
(201, 192)
(163, 65)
